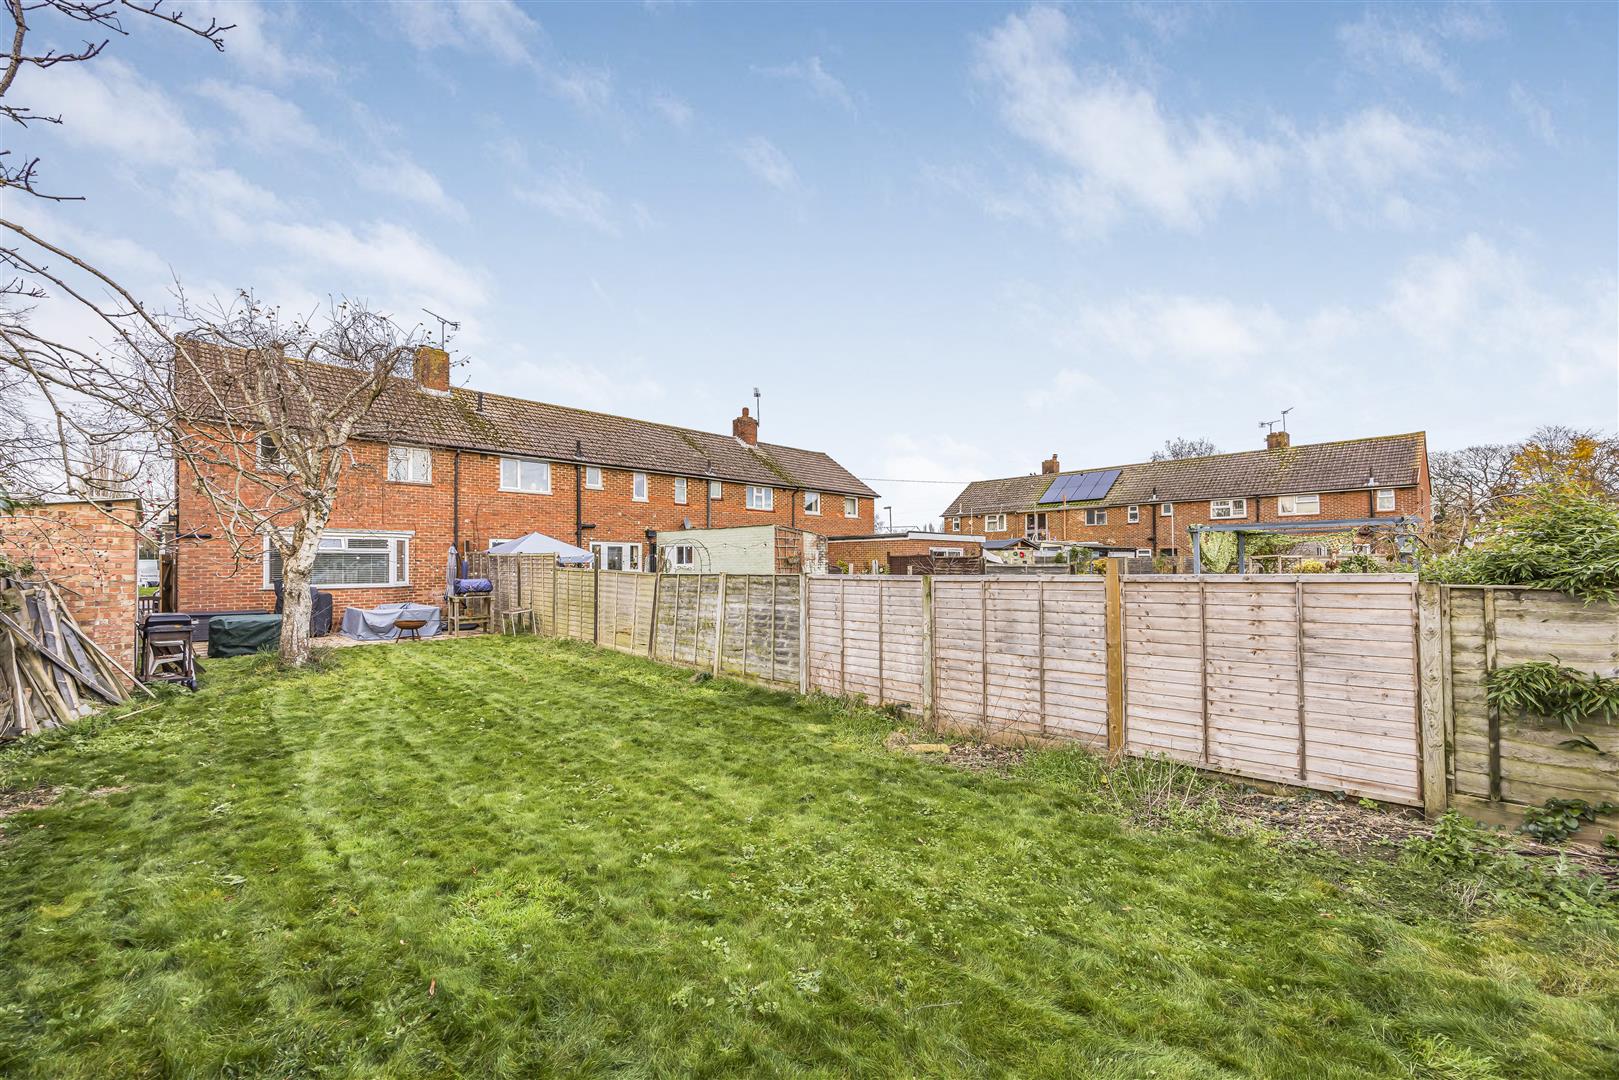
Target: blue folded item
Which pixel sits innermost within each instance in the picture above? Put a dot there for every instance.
(466, 585)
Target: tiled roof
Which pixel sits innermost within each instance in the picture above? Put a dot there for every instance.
(1392, 460)
(495, 423)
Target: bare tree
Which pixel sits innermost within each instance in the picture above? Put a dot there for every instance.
(1179, 448)
(1467, 486)
(255, 412)
(1558, 454)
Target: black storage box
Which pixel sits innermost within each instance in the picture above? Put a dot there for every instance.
(320, 610)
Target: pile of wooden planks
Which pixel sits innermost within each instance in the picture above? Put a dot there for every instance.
(51, 673)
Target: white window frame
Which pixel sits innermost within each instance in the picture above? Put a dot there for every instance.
(412, 456)
(760, 497)
(1143, 553)
(1284, 509)
(680, 491)
(1228, 509)
(1384, 506)
(1132, 514)
(682, 555)
(638, 487)
(994, 522)
(851, 506)
(955, 524)
(1035, 522)
(1096, 515)
(267, 456)
(946, 553)
(632, 553)
(517, 464)
(399, 543)
(716, 491)
(1166, 510)
(812, 503)
(593, 485)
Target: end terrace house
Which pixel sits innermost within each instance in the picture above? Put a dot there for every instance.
(467, 468)
(1149, 505)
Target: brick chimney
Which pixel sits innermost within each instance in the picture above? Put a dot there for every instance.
(746, 428)
(1050, 465)
(1277, 440)
(433, 369)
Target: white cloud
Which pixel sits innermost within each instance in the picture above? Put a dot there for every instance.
(1372, 153)
(822, 83)
(619, 388)
(1415, 39)
(568, 196)
(1214, 335)
(392, 173)
(1535, 114)
(1480, 302)
(768, 163)
(674, 110)
(1067, 386)
(262, 120)
(1121, 151)
(497, 28)
(267, 40)
(110, 107)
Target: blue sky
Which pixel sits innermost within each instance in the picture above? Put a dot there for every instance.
(944, 241)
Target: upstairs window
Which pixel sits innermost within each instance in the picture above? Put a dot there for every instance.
(851, 506)
(1132, 514)
(955, 524)
(593, 477)
(1166, 510)
(680, 490)
(812, 502)
(410, 465)
(268, 454)
(521, 474)
(716, 490)
(1385, 498)
(1227, 509)
(761, 498)
(1298, 505)
(994, 522)
(638, 486)
(1096, 517)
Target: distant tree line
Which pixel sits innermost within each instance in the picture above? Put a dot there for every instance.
(1476, 484)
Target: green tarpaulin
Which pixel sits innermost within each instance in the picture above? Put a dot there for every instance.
(238, 635)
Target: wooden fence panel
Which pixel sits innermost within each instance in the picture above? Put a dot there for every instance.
(961, 646)
(1509, 759)
(761, 627)
(1074, 658)
(1163, 664)
(625, 598)
(1252, 675)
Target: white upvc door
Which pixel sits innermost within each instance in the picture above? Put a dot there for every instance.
(610, 556)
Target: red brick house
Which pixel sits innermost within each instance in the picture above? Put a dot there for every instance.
(1149, 505)
(480, 467)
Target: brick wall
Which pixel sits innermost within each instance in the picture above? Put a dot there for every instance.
(90, 556)
(858, 554)
(211, 580)
(1171, 532)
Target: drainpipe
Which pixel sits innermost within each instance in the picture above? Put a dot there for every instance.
(795, 496)
(455, 504)
(578, 493)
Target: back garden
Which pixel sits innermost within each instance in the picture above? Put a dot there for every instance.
(519, 857)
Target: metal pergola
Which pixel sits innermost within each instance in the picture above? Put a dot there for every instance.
(1404, 529)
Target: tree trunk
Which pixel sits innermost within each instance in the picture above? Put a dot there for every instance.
(295, 608)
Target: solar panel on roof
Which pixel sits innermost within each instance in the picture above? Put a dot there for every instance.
(1080, 487)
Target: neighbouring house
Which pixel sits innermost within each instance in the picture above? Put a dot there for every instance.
(476, 468)
(742, 549)
(89, 551)
(1149, 506)
(870, 554)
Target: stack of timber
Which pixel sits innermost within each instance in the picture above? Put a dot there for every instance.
(51, 673)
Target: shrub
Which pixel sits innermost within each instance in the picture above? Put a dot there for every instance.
(1362, 564)
(1551, 538)
(1551, 691)
(1312, 566)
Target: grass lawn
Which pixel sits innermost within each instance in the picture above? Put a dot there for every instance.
(515, 857)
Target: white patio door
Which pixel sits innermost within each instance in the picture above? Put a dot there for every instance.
(616, 556)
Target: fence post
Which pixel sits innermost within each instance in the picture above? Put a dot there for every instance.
(983, 648)
(595, 605)
(1495, 710)
(1298, 684)
(556, 623)
(882, 613)
(719, 628)
(1040, 645)
(652, 627)
(927, 647)
(1203, 657)
(1114, 613)
(803, 633)
(1431, 677)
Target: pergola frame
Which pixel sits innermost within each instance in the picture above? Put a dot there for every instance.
(1404, 527)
